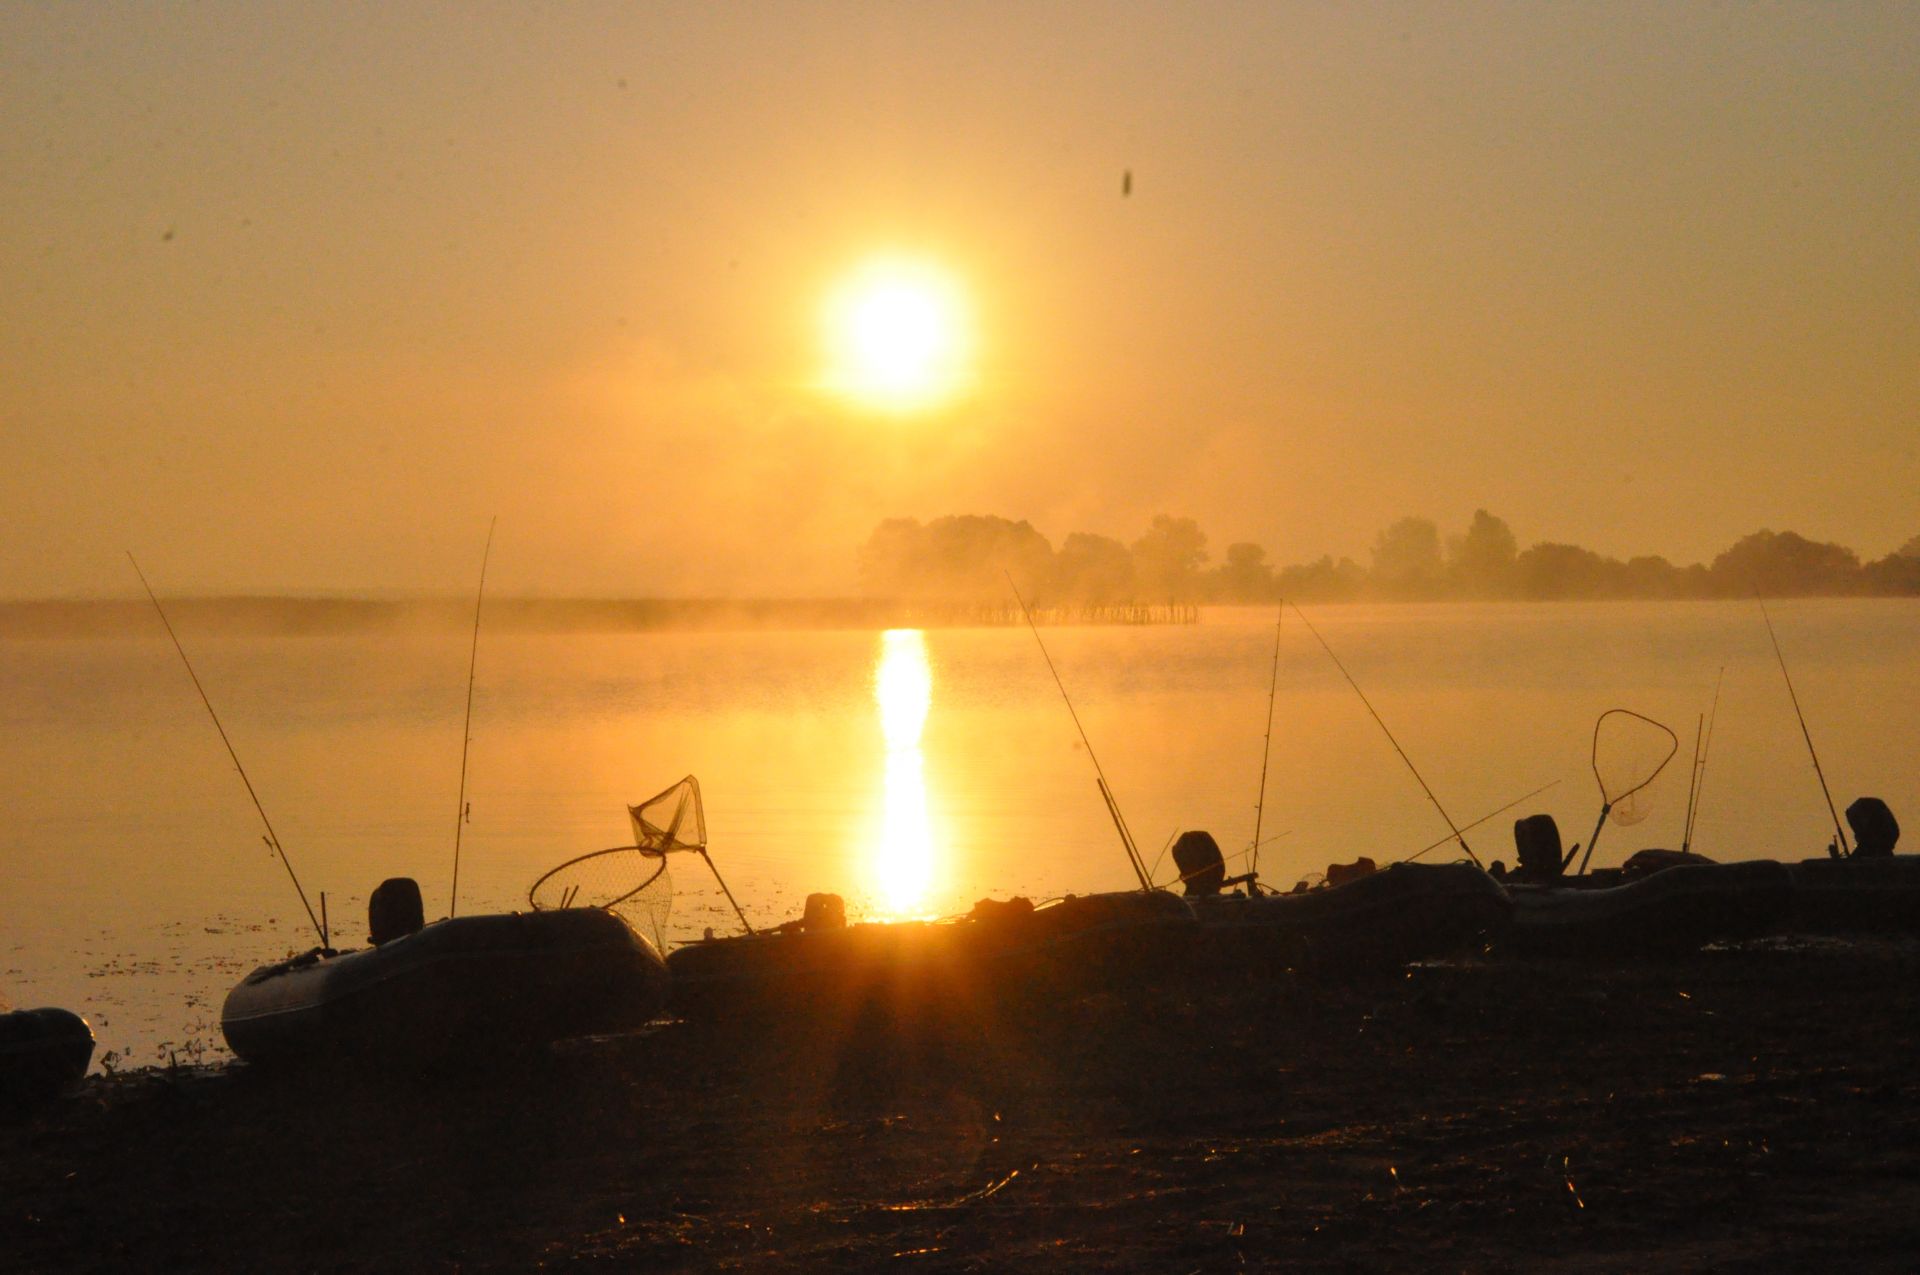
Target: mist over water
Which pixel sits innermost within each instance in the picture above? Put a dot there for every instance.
(910, 771)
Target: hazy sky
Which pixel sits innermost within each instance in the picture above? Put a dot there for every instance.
(297, 295)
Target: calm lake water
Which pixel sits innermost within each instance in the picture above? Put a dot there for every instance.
(910, 772)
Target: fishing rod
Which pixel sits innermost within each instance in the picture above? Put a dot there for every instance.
(1482, 819)
(1389, 734)
(1266, 748)
(460, 811)
(272, 839)
(1839, 838)
(1693, 781)
(1100, 776)
(1702, 746)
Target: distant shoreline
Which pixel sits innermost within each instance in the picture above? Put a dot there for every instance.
(295, 616)
(298, 616)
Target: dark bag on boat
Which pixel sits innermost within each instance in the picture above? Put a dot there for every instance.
(394, 910)
(1874, 828)
(1341, 873)
(996, 912)
(1536, 843)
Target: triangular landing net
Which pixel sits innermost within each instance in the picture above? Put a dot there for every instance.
(1629, 751)
(633, 881)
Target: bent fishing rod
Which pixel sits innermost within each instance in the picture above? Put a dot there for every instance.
(1839, 838)
(1100, 776)
(461, 813)
(272, 839)
(1451, 826)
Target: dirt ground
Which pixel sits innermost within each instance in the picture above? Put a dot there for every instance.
(1757, 1108)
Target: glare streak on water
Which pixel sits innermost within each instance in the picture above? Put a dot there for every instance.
(903, 690)
(909, 772)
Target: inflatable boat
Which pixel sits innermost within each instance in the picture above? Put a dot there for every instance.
(469, 988)
(1857, 895)
(1404, 912)
(900, 969)
(1673, 910)
(43, 1053)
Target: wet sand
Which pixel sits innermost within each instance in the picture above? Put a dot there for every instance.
(1757, 1108)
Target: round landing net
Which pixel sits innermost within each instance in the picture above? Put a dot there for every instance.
(626, 880)
(632, 881)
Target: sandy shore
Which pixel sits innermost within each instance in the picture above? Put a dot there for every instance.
(1756, 1108)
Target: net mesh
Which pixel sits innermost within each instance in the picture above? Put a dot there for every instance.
(626, 880)
(672, 820)
(632, 881)
(1629, 752)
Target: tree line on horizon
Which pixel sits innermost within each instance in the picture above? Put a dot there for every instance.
(971, 556)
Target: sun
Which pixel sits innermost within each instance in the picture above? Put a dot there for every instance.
(898, 336)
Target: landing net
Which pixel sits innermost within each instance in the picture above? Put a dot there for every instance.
(1629, 752)
(632, 881)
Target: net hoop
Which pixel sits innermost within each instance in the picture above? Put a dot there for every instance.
(534, 889)
(1673, 747)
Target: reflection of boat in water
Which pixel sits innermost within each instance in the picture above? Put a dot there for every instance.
(901, 969)
(43, 1053)
(476, 987)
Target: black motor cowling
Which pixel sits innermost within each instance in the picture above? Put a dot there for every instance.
(824, 912)
(1536, 842)
(394, 910)
(1202, 868)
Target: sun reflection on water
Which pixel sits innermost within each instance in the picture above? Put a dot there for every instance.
(903, 691)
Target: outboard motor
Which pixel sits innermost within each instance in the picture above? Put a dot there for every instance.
(1874, 828)
(1202, 869)
(1536, 842)
(824, 912)
(394, 910)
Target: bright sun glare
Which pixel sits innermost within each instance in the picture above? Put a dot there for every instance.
(898, 336)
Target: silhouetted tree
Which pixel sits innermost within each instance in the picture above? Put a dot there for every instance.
(967, 556)
(1246, 575)
(1653, 577)
(1322, 581)
(1406, 559)
(1897, 574)
(886, 563)
(1549, 570)
(1167, 560)
(1481, 561)
(1785, 563)
(1092, 569)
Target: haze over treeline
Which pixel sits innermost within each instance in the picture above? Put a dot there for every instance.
(970, 556)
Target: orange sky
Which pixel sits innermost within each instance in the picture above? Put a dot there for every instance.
(297, 296)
